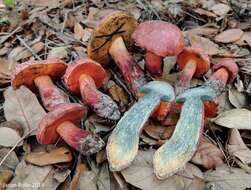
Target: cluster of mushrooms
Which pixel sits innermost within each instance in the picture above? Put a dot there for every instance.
(110, 40)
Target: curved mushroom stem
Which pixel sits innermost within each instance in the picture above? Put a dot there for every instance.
(221, 75)
(131, 71)
(186, 76)
(153, 63)
(102, 104)
(81, 140)
(179, 149)
(51, 95)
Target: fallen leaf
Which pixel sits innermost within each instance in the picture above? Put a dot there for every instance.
(220, 9)
(238, 148)
(229, 36)
(88, 180)
(10, 163)
(207, 45)
(29, 176)
(208, 155)
(204, 12)
(158, 132)
(22, 106)
(140, 174)
(203, 31)
(87, 34)
(5, 177)
(236, 98)
(235, 119)
(226, 178)
(10, 133)
(78, 31)
(120, 181)
(6, 67)
(103, 179)
(245, 39)
(58, 52)
(80, 168)
(59, 155)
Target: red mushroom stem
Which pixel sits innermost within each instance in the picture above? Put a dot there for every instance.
(51, 95)
(153, 63)
(221, 74)
(126, 63)
(81, 140)
(88, 90)
(186, 74)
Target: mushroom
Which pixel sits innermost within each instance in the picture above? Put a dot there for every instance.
(110, 39)
(40, 73)
(225, 71)
(122, 146)
(60, 122)
(193, 62)
(86, 76)
(179, 149)
(159, 39)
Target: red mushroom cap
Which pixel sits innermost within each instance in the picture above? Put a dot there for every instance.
(195, 54)
(84, 66)
(159, 37)
(47, 130)
(230, 65)
(25, 73)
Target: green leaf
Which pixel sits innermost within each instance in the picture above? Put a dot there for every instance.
(9, 3)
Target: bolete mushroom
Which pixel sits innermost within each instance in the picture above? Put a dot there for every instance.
(39, 73)
(193, 62)
(159, 39)
(86, 76)
(179, 149)
(61, 123)
(225, 71)
(122, 146)
(110, 39)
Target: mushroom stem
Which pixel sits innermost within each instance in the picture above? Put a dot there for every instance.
(51, 95)
(153, 63)
(221, 74)
(126, 63)
(81, 140)
(88, 90)
(186, 76)
(102, 104)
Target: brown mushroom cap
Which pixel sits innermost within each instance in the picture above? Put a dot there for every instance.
(25, 73)
(99, 44)
(194, 54)
(84, 66)
(47, 130)
(159, 37)
(230, 65)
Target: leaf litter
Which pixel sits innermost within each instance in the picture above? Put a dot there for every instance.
(41, 29)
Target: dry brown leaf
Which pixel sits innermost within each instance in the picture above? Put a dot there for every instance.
(220, 9)
(5, 177)
(245, 39)
(229, 36)
(87, 34)
(10, 133)
(59, 155)
(238, 148)
(78, 31)
(208, 155)
(58, 52)
(22, 106)
(203, 31)
(103, 180)
(236, 98)
(204, 12)
(75, 180)
(9, 163)
(34, 177)
(6, 67)
(235, 119)
(140, 174)
(207, 45)
(226, 178)
(118, 94)
(159, 132)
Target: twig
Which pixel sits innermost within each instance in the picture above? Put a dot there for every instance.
(20, 140)
(10, 34)
(28, 47)
(152, 9)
